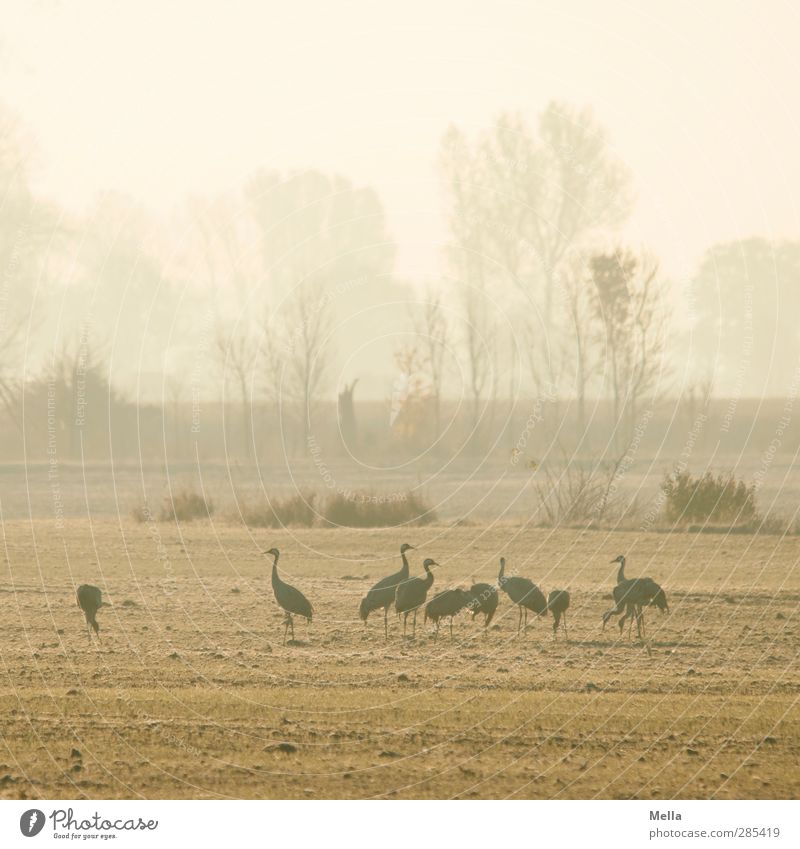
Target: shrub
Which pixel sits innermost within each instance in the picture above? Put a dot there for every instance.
(297, 509)
(141, 514)
(370, 510)
(186, 506)
(709, 498)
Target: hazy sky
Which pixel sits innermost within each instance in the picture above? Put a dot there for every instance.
(164, 99)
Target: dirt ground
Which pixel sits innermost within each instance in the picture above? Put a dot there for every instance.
(190, 692)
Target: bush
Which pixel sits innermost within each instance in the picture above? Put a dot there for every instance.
(141, 514)
(371, 510)
(297, 509)
(709, 498)
(186, 506)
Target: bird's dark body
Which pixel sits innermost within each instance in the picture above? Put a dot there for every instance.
(557, 604)
(523, 592)
(90, 600)
(445, 605)
(483, 598)
(290, 598)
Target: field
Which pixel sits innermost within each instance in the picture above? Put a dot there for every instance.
(190, 692)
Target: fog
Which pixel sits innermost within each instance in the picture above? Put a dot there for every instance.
(310, 238)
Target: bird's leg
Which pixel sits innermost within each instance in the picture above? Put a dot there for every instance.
(519, 620)
(451, 627)
(286, 628)
(405, 623)
(525, 626)
(386, 623)
(414, 626)
(566, 633)
(291, 625)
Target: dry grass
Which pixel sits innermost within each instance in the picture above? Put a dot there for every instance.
(367, 509)
(191, 694)
(292, 511)
(184, 505)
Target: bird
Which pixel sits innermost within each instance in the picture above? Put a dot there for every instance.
(524, 593)
(411, 594)
(383, 593)
(288, 597)
(652, 595)
(557, 604)
(483, 599)
(631, 595)
(90, 600)
(445, 605)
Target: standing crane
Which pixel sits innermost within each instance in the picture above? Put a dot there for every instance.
(524, 593)
(557, 604)
(631, 596)
(383, 593)
(290, 599)
(90, 600)
(445, 605)
(483, 598)
(411, 594)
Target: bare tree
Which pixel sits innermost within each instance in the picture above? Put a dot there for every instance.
(545, 194)
(27, 228)
(306, 334)
(580, 337)
(631, 313)
(235, 353)
(470, 265)
(433, 331)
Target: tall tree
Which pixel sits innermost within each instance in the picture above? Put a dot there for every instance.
(746, 296)
(631, 313)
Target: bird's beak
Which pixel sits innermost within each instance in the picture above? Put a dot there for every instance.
(613, 561)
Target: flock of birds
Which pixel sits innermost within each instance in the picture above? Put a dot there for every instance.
(408, 595)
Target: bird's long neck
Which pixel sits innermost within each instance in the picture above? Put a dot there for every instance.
(428, 576)
(275, 578)
(502, 572)
(404, 569)
(621, 573)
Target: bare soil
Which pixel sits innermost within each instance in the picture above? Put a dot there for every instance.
(190, 691)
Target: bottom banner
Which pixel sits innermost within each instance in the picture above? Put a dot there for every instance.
(595, 823)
